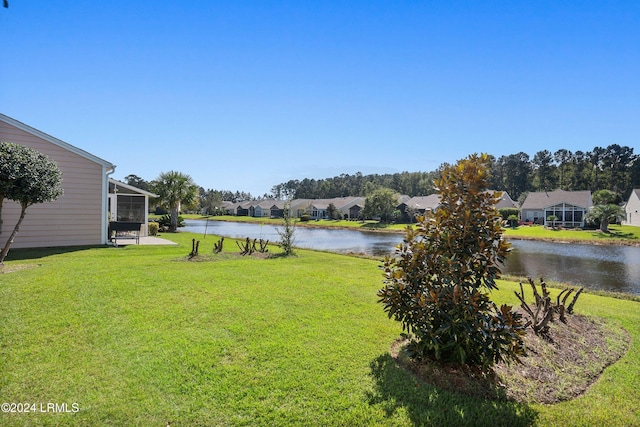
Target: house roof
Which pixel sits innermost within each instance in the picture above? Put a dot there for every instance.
(270, 203)
(56, 141)
(505, 201)
(543, 199)
(117, 184)
(424, 202)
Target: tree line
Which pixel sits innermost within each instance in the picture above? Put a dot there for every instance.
(615, 168)
(409, 183)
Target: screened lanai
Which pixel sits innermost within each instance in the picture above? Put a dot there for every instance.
(129, 204)
(567, 215)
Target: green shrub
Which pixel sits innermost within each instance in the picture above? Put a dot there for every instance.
(153, 228)
(437, 284)
(507, 212)
(305, 217)
(165, 221)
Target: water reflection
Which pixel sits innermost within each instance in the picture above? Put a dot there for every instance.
(612, 268)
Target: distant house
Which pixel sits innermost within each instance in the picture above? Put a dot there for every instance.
(506, 201)
(277, 209)
(269, 208)
(346, 207)
(229, 208)
(418, 205)
(632, 209)
(319, 208)
(244, 208)
(569, 207)
(129, 204)
(351, 207)
(300, 207)
(79, 216)
(262, 209)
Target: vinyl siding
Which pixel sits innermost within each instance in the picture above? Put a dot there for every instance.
(632, 209)
(73, 219)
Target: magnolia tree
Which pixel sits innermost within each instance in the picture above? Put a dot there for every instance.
(437, 284)
(27, 177)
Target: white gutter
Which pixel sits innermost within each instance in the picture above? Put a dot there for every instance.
(106, 171)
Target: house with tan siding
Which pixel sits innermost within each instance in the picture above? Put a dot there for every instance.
(79, 216)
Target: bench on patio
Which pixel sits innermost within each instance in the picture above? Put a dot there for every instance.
(124, 230)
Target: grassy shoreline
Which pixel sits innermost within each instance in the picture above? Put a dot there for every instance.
(140, 336)
(619, 234)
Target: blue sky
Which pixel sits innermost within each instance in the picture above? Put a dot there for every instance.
(243, 95)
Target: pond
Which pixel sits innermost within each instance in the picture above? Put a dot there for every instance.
(605, 267)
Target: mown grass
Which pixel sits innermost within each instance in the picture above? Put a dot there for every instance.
(140, 336)
(618, 234)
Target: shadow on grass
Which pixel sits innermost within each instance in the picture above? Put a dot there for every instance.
(36, 253)
(614, 235)
(397, 391)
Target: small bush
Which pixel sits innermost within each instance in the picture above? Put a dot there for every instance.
(165, 221)
(305, 218)
(507, 212)
(153, 228)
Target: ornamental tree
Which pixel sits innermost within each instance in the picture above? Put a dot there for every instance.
(605, 214)
(27, 177)
(174, 189)
(437, 284)
(380, 203)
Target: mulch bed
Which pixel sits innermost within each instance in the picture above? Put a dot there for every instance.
(558, 367)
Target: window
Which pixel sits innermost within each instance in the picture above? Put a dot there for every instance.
(130, 208)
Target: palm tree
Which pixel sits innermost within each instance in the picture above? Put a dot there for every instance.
(605, 214)
(174, 189)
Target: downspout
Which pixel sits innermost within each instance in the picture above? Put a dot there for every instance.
(106, 171)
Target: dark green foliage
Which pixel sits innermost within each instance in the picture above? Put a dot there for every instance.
(604, 215)
(136, 181)
(436, 285)
(305, 218)
(333, 212)
(507, 212)
(605, 197)
(165, 221)
(381, 204)
(410, 183)
(27, 177)
(174, 190)
(552, 219)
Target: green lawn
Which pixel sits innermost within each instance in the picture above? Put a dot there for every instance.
(138, 336)
(618, 234)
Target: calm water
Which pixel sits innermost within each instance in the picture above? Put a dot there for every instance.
(612, 268)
